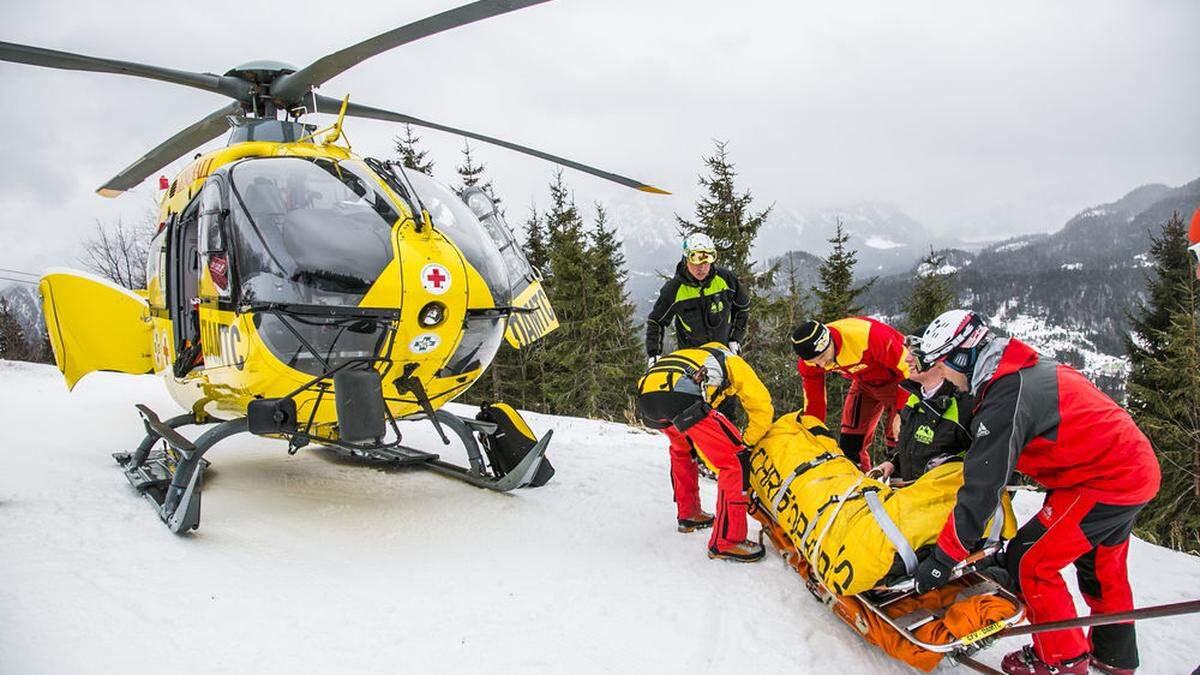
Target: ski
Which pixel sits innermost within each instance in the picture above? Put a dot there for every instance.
(977, 666)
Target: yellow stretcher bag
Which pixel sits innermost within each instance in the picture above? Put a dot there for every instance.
(855, 530)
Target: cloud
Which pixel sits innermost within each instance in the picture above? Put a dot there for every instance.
(970, 116)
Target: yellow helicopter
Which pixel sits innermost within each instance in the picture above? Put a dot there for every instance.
(298, 291)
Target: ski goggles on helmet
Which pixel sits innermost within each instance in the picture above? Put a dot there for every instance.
(962, 360)
(913, 344)
(701, 257)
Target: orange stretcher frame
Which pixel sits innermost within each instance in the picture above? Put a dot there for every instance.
(957, 620)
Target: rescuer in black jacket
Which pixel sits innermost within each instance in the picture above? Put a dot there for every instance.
(933, 429)
(934, 424)
(705, 303)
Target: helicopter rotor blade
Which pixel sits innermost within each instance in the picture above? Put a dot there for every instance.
(290, 88)
(50, 58)
(168, 151)
(332, 105)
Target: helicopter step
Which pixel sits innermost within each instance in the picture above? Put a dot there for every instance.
(492, 476)
(168, 469)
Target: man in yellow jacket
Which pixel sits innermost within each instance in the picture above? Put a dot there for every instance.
(677, 396)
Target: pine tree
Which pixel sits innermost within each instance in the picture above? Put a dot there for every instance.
(837, 296)
(1163, 300)
(725, 215)
(471, 175)
(13, 345)
(1164, 388)
(778, 317)
(932, 293)
(566, 351)
(614, 346)
(536, 246)
(410, 154)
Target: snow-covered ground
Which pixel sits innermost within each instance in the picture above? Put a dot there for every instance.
(309, 564)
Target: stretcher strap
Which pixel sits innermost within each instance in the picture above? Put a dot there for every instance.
(812, 524)
(893, 533)
(810, 464)
(841, 501)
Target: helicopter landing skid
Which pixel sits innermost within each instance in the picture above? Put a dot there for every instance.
(168, 469)
(478, 473)
(520, 476)
(170, 474)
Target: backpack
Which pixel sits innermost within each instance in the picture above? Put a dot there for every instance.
(511, 442)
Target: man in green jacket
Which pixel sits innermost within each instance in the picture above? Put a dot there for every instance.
(704, 303)
(934, 424)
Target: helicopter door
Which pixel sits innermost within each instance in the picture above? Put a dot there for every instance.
(94, 325)
(183, 301)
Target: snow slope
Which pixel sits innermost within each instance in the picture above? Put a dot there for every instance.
(310, 564)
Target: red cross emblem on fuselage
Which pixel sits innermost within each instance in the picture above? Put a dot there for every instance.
(436, 277)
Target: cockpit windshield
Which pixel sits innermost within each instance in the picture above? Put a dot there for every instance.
(308, 231)
(455, 220)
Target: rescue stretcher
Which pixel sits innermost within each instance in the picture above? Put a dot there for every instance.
(953, 622)
(854, 541)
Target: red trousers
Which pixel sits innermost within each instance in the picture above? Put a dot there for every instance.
(864, 405)
(718, 441)
(1075, 528)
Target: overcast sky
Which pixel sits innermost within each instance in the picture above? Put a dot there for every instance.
(979, 118)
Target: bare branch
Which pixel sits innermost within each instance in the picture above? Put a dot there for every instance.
(118, 251)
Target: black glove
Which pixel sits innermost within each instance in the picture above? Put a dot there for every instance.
(934, 571)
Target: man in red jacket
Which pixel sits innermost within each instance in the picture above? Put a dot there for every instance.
(1049, 422)
(871, 354)
(1194, 241)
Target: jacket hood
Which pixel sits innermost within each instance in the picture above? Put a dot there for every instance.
(1002, 356)
(987, 363)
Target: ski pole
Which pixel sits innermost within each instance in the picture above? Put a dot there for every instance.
(977, 666)
(1154, 612)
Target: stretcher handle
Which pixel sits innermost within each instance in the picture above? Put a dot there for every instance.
(965, 567)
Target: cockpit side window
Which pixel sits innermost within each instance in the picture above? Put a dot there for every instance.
(212, 237)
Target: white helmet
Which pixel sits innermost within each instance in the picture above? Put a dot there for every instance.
(955, 338)
(698, 241)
